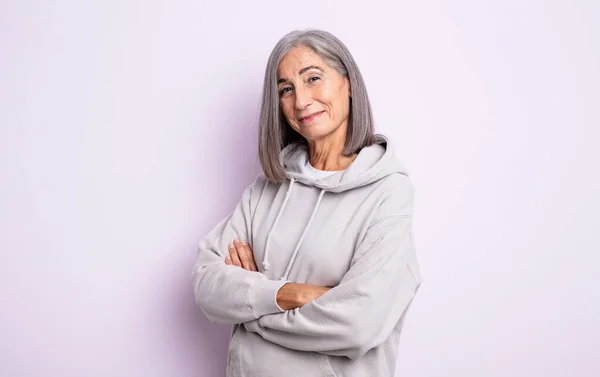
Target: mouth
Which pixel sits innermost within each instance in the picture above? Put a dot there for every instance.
(310, 117)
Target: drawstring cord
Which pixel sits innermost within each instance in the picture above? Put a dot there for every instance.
(265, 263)
(293, 258)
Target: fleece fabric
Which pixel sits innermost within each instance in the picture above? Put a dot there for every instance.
(350, 230)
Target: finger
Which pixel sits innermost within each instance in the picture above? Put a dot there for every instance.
(243, 255)
(234, 256)
(251, 256)
(228, 260)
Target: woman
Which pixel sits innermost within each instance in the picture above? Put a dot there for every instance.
(329, 221)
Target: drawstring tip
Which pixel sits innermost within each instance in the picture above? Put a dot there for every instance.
(266, 266)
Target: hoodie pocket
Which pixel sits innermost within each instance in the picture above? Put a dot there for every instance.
(252, 356)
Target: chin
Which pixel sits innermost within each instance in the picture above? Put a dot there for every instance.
(314, 132)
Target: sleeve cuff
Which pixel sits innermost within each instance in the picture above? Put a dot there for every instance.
(263, 297)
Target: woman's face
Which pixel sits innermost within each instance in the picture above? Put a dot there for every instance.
(313, 96)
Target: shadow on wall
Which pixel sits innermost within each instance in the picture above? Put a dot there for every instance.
(228, 165)
(202, 345)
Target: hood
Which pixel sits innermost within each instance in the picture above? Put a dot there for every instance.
(373, 163)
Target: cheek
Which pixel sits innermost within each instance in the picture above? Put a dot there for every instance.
(345, 104)
(340, 105)
(287, 109)
(335, 97)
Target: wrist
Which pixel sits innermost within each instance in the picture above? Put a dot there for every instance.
(288, 296)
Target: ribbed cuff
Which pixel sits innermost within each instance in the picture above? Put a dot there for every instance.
(263, 298)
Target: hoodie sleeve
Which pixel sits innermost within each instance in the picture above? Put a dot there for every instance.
(225, 293)
(373, 296)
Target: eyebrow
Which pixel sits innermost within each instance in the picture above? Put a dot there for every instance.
(283, 79)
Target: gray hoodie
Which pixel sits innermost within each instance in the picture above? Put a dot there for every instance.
(351, 231)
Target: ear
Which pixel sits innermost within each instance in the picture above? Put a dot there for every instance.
(349, 86)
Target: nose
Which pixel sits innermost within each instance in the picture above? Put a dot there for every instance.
(303, 97)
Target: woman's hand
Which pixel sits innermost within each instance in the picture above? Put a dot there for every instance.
(241, 255)
(295, 295)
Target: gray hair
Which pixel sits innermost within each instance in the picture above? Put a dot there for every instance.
(274, 133)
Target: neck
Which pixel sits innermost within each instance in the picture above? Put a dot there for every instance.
(326, 153)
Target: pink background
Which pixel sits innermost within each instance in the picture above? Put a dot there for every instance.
(127, 130)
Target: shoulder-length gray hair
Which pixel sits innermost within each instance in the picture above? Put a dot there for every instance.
(274, 133)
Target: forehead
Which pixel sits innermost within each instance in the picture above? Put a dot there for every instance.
(298, 58)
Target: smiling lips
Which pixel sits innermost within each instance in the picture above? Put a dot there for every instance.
(311, 117)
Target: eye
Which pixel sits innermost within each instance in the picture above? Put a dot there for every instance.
(284, 90)
(316, 78)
